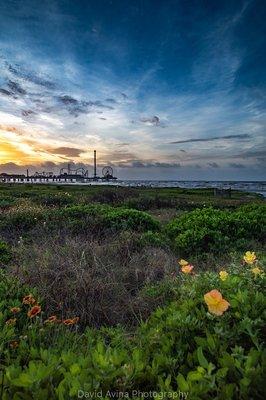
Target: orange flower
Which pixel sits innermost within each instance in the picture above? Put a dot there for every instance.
(15, 310)
(14, 344)
(51, 319)
(34, 311)
(11, 321)
(215, 302)
(182, 262)
(71, 321)
(187, 269)
(29, 299)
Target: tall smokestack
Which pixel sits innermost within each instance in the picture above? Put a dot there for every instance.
(95, 167)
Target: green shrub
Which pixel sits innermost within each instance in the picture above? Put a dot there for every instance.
(5, 253)
(101, 219)
(6, 202)
(156, 239)
(21, 220)
(205, 230)
(130, 219)
(86, 219)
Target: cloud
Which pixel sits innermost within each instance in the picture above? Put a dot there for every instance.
(67, 100)
(5, 92)
(76, 107)
(252, 153)
(211, 139)
(11, 168)
(30, 76)
(123, 144)
(236, 165)
(27, 113)
(73, 106)
(110, 100)
(213, 165)
(194, 92)
(67, 151)
(155, 121)
(146, 164)
(99, 104)
(14, 89)
(9, 128)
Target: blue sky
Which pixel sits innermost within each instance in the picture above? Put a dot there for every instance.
(162, 89)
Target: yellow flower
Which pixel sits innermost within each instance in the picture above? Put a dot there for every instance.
(215, 302)
(183, 263)
(223, 275)
(187, 269)
(257, 271)
(250, 257)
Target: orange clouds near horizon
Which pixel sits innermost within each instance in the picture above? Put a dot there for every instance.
(16, 147)
(9, 153)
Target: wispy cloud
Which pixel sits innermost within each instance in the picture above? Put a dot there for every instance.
(236, 165)
(155, 121)
(213, 165)
(211, 139)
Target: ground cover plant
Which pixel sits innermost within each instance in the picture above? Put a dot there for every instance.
(207, 342)
(92, 296)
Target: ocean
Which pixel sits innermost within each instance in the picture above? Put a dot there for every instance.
(245, 186)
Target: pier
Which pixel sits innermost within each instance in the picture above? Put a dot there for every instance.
(66, 175)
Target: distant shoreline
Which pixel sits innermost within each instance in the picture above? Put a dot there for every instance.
(258, 187)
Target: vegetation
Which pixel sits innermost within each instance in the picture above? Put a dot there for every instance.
(5, 254)
(190, 345)
(217, 230)
(96, 295)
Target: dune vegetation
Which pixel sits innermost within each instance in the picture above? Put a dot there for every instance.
(131, 292)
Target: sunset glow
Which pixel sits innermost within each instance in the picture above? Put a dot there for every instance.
(154, 105)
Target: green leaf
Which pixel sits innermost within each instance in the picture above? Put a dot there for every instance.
(194, 376)
(24, 380)
(182, 383)
(202, 360)
(75, 369)
(222, 372)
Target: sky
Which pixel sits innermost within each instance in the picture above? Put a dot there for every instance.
(171, 89)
